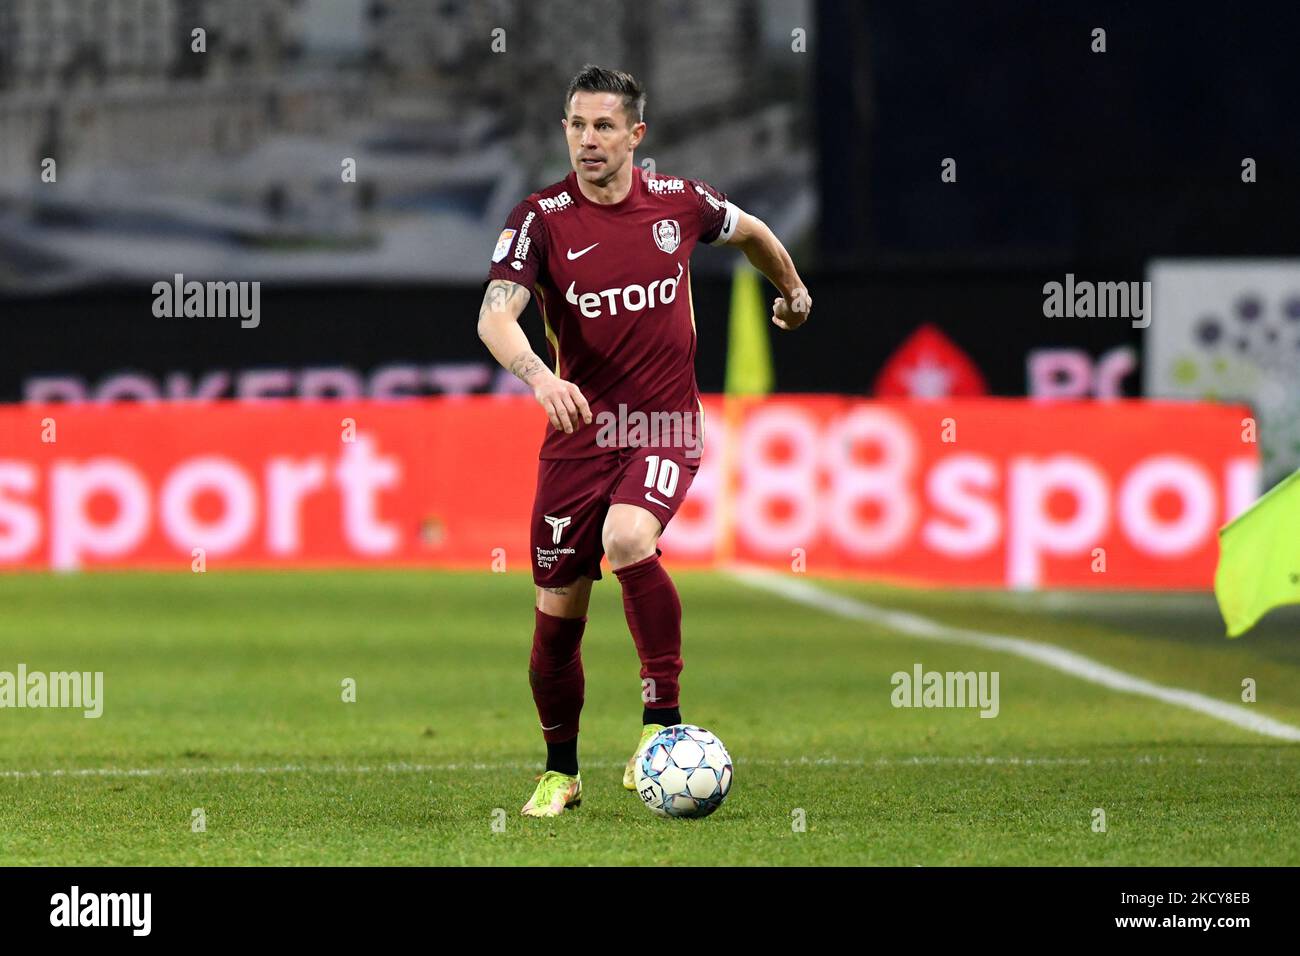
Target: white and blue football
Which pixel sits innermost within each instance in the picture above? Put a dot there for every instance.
(684, 771)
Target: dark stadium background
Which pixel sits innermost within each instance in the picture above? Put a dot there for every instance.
(1069, 161)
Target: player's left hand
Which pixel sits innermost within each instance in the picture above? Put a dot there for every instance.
(790, 315)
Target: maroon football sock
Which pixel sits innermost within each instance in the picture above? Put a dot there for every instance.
(555, 674)
(654, 616)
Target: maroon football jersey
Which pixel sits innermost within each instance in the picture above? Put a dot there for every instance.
(613, 286)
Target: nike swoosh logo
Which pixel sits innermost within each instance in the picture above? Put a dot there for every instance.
(560, 724)
(650, 497)
(581, 252)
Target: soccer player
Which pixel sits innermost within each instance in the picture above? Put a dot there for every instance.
(607, 251)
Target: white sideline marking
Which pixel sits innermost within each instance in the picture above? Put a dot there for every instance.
(914, 761)
(1050, 655)
(241, 769)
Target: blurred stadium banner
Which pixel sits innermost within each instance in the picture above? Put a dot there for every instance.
(925, 335)
(988, 492)
(1229, 330)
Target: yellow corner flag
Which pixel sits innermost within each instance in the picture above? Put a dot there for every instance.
(749, 354)
(1259, 558)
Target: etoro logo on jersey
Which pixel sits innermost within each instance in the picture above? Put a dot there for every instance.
(634, 298)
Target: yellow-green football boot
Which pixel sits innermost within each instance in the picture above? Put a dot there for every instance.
(629, 772)
(555, 793)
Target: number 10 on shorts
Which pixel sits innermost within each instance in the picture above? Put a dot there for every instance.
(661, 475)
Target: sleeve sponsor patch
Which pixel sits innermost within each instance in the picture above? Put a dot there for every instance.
(503, 245)
(521, 247)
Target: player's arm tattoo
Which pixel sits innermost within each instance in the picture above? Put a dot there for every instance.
(500, 295)
(506, 300)
(525, 365)
(556, 590)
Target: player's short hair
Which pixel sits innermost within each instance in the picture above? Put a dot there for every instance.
(597, 79)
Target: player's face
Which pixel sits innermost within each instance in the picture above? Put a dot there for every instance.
(601, 139)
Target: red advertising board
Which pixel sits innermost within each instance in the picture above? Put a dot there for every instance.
(995, 492)
(969, 492)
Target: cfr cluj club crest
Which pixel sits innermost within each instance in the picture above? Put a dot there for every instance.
(668, 235)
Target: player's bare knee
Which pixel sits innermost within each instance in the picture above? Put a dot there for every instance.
(626, 543)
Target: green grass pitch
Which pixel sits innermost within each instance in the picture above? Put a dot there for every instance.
(223, 691)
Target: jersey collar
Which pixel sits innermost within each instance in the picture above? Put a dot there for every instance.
(576, 192)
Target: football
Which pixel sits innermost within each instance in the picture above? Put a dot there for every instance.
(684, 771)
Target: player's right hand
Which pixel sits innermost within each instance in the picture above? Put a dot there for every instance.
(564, 404)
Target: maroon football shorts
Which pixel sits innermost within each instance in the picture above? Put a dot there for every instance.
(573, 495)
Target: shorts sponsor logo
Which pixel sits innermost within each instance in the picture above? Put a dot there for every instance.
(668, 235)
(557, 526)
(546, 557)
(560, 202)
(503, 245)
